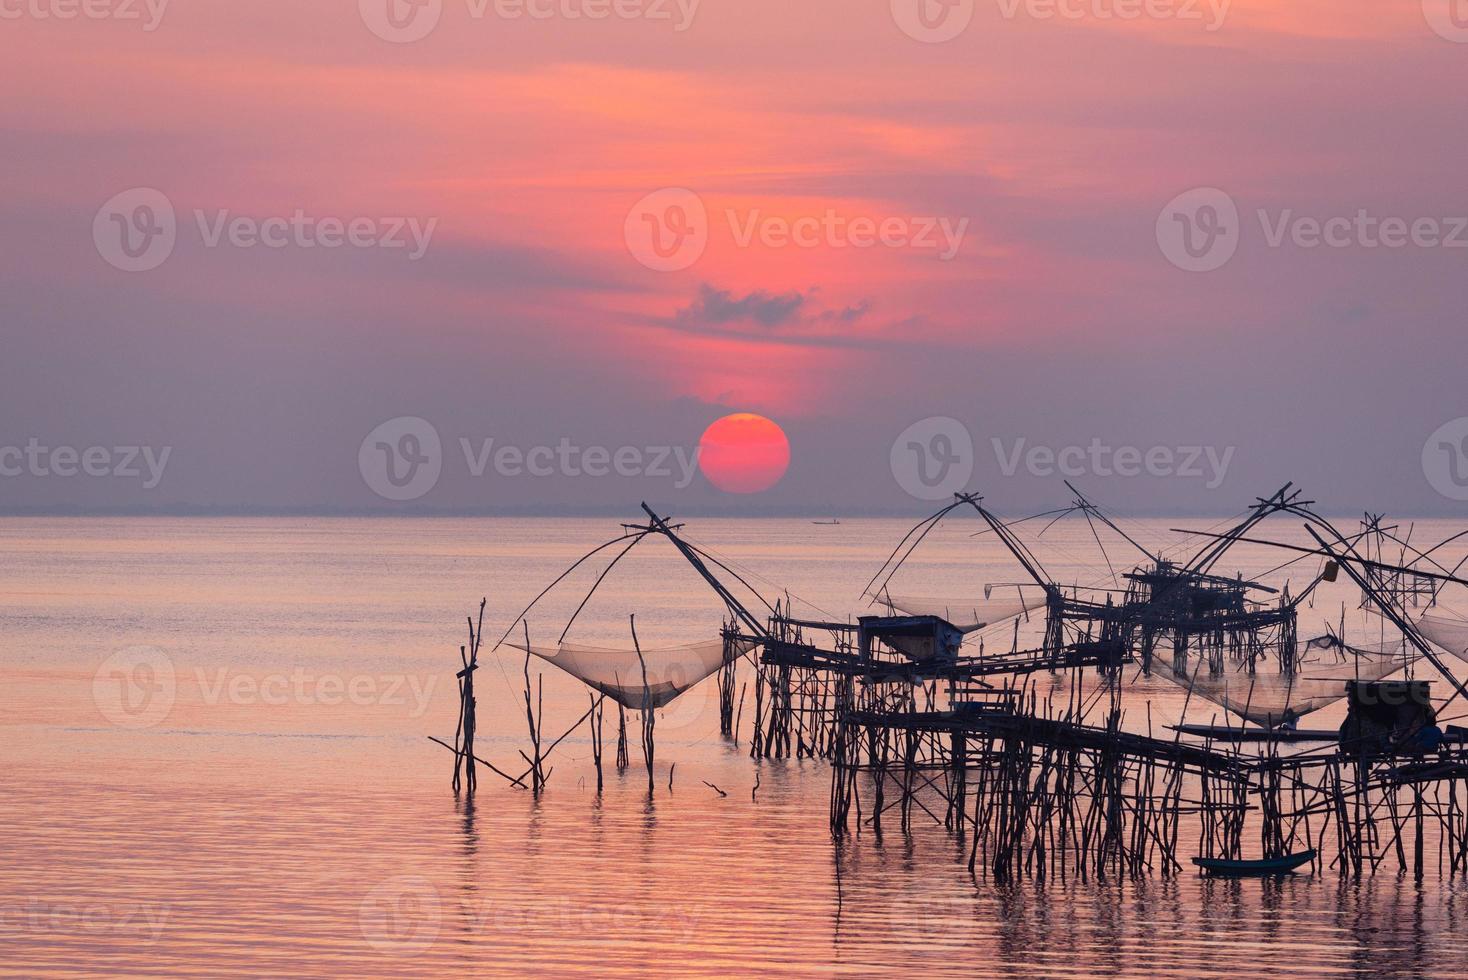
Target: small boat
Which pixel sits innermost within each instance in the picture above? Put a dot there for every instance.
(1230, 733)
(1225, 868)
(831, 521)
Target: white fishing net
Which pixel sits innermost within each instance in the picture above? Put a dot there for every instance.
(619, 673)
(1269, 698)
(1447, 630)
(967, 614)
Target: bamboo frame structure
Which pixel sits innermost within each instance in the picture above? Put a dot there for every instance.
(1056, 783)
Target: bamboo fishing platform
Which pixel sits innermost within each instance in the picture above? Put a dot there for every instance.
(918, 725)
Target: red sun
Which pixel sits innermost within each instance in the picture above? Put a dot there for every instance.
(743, 453)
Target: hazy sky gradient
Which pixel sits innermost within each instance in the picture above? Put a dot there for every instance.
(527, 319)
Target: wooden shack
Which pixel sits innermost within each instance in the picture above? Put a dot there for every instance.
(1385, 716)
(922, 639)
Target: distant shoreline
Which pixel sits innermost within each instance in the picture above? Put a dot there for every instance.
(628, 512)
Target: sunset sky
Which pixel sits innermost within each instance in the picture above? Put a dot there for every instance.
(1012, 180)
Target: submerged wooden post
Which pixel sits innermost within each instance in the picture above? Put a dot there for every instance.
(622, 761)
(594, 723)
(537, 773)
(648, 718)
(471, 778)
(464, 734)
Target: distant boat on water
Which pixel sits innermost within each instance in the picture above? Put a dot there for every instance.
(831, 521)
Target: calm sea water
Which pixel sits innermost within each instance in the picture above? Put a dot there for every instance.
(215, 763)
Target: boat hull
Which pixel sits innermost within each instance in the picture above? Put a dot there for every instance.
(1224, 868)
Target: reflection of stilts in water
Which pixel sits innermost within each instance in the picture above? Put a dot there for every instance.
(469, 878)
(471, 835)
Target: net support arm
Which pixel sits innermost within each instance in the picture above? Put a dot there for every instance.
(735, 606)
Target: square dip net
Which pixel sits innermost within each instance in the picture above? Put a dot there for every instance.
(619, 673)
(1447, 630)
(1270, 697)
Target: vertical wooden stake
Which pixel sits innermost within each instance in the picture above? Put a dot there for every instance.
(594, 722)
(649, 720)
